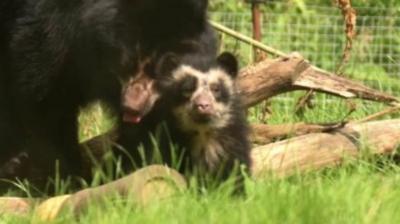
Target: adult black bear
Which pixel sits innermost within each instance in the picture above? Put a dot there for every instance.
(57, 56)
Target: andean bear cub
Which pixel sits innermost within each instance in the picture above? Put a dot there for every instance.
(57, 56)
(198, 122)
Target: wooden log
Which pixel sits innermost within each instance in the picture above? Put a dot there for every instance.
(319, 150)
(143, 186)
(16, 206)
(272, 77)
(265, 133)
(320, 146)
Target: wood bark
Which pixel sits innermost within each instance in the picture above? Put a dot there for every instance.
(272, 77)
(16, 206)
(143, 186)
(265, 133)
(319, 150)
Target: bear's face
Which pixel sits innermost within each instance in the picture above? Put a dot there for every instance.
(202, 99)
(139, 94)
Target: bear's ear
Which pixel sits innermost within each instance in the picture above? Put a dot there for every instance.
(229, 63)
(166, 64)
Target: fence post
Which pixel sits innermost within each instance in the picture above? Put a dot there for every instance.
(256, 15)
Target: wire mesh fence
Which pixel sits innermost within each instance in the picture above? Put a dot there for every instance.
(318, 34)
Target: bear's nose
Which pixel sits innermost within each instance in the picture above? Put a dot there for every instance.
(203, 104)
(202, 107)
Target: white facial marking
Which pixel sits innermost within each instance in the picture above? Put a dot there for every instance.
(213, 76)
(205, 144)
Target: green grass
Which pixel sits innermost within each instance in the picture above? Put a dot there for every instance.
(359, 192)
(355, 195)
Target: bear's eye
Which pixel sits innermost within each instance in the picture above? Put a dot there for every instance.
(215, 88)
(188, 85)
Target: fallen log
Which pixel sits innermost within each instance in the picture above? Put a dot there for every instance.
(143, 186)
(16, 206)
(272, 77)
(264, 133)
(319, 150)
(318, 146)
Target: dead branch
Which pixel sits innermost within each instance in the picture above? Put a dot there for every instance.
(246, 39)
(350, 16)
(379, 114)
(272, 77)
(318, 150)
(265, 133)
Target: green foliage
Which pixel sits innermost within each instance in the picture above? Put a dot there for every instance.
(228, 5)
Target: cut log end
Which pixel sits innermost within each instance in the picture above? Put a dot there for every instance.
(16, 206)
(143, 187)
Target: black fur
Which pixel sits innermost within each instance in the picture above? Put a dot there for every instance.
(57, 56)
(165, 127)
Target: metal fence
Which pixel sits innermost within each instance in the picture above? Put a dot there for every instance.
(318, 34)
